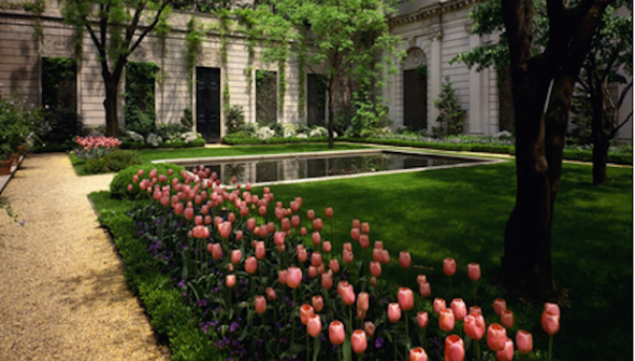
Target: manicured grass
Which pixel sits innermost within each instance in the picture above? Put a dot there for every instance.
(148, 155)
(462, 213)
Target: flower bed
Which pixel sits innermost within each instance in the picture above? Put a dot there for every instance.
(245, 267)
(274, 140)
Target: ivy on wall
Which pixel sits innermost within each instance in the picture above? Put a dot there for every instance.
(139, 109)
(193, 41)
(36, 7)
(223, 29)
(247, 20)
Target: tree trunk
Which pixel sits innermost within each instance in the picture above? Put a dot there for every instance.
(600, 138)
(331, 101)
(110, 105)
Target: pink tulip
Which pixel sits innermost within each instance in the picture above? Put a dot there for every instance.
(553, 308)
(310, 214)
(283, 276)
(236, 256)
(454, 348)
(379, 245)
(295, 221)
(279, 212)
(251, 265)
(507, 318)
(365, 228)
(385, 257)
(278, 238)
(326, 246)
(373, 281)
(358, 340)
(271, 294)
(230, 281)
(421, 279)
(422, 319)
(316, 238)
(406, 298)
(449, 267)
(507, 353)
(261, 305)
(271, 227)
(248, 187)
(334, 265)
(375, 268)
(474, 271)
(499, 306)
(129, 187)
(424, 289)
(404, 259)
(362, 301)
(178, 209)
(336, 332)
(294, 277)
(418, 354)
(295, 206)
(459, 309)
(475, 310)
(394, 312)
(200, 232)
(189, 213)
(446, 320)
(314, 326)
(306, 311)
(327, 280)
(496, 337)
(303, 231)
(550, 322)
(217, 251)
(225, 229)
(369, 329)
(355, 234)
(346, 292)
(364, 242)
(474, 326)
(317, 224)
(347, 256)
(348, 246)
(312, 272)
(239, 234)
(524, 342)
(261, 252)
(355, 223)
(316, 259)
(439, 304)
(285, 224)
(318, 303)
(328, 212)
(302, 254)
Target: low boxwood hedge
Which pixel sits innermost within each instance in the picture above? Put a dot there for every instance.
(170, 144)
(169, 315)
(568, 154)
(276, 140)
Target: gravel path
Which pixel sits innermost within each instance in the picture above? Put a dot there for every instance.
(63, 295)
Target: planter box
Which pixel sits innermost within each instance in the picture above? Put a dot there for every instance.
(5, 166)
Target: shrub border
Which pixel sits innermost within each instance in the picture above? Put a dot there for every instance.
(169, 315)
(275, 140)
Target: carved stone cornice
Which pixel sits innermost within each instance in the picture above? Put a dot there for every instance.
(435, 33)
(430, 11)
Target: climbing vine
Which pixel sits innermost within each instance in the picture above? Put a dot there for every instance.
(37, 7)
(248, 20)
(193, 41)
(302, 58)
(223, 29)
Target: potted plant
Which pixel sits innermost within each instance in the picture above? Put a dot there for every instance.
(5, 161)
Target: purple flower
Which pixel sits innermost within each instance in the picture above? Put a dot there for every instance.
(234, 327)
(379, 342)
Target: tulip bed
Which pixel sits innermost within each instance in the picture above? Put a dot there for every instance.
(251, 313)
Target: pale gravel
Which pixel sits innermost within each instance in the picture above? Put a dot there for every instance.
(63, 295)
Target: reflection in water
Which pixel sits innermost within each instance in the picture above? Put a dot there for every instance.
(301, 168)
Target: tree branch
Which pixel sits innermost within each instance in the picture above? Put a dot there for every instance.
(628, 117)
(609, 65)
(130, 29)
(151, 26)
(623, 94)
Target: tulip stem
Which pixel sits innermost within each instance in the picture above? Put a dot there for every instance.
(307, 346)
(450, 281)
(315, 349)
(407, 334)
(350, 318)
(476, 292)
(394, 345)
(293, 317)
(478, 350)
(550, 346)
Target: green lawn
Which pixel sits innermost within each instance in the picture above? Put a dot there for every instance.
(149, 155)
(462, 212)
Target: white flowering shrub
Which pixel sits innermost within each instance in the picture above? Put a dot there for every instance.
(154, 139)
(302, 136)
(319, 132)
(134, 136)
(188, 137)
(265, 133)
(288, 130)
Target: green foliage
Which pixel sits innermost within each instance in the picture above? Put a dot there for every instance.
(21, 124)
(113, 162)
(187, 120)
(450, 112)
(242, 139)
(266, 97)
(169, 315)
(234, 119)
(119, 184)
(139, 109)
(171, 132)
(193, 40)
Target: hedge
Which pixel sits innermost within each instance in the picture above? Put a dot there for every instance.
(275, 140)
(200, 142)
(568, 154)
(169, 315)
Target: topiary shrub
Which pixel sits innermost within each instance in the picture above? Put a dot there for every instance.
(113, 162)
(119, 185)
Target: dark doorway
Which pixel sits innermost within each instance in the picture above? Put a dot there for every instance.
(415, 102)
(316, 100)
(208, 103)
(59, 99)
(266, 97)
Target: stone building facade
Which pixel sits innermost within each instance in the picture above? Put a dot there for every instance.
(433, 33)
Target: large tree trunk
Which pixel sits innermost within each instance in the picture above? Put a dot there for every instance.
(110, 105)
(331, 97)
(600, 138)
